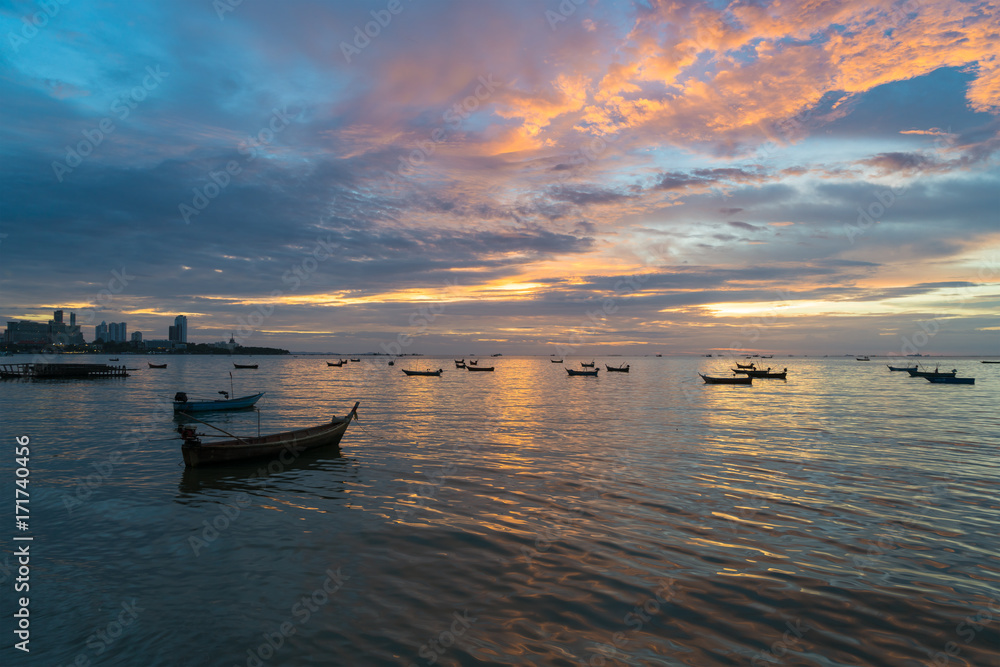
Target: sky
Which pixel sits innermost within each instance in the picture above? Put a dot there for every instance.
(533, 177)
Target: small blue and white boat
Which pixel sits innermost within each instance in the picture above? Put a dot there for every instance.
(182, 404)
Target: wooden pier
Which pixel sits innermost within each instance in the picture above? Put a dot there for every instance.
(59, 371)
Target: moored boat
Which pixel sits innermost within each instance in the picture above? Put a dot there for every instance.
(436, 373)
(479, 368)
(899, 368)
(244, 365)
(620, 369)
(767, 373)
(749, 366)
(460, 363)
(182, 404)
(197, 453)
(732, 380)
(864, 358)
(337, 364)
(152, 365)
(917, 373)
(948, 379)
(590, 365)
(559, 361)
(592, 373)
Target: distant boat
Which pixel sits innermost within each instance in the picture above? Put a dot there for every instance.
(982, 362)
(620, 369)
(152, 365)
(732, 380)
(917, 373)
(116, 359)
(590, 365)
(559, 361)
(355, 360)
(864, 358)
(460, 363)
(497, 355)
(748, 366)
(197, 453)
(338, 364)
(767, 356)
(948, 379)
(592, 373)
(436, 373)
(182, 404)
(659, 355)
(479, 368)
(392, 363)
(472, 362)
(244, 365)
(707, 355)
(899, 368)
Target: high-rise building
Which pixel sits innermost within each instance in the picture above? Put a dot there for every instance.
(101, 331)
(57, 317)
(172, 333)
(136, 336)
(117, 332)
(55, 332)
(72, 319)
(181, 323)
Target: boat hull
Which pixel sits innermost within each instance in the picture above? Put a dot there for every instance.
(612, 369)
(436, 373)
(481, 369)
(207, 406)
(734, 380)
(592, 373)
(291, 442)
(951, 380)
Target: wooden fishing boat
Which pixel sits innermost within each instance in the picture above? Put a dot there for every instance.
(864, 358)
(917, 373)
(198, 453)
(590, 365)
(592, 373)
(335, 365)
(768, 373)
(244, 365)
(460, 364)
(392, 363)
(472, 362)
(152, 365)
(559, 361)
(436, 373)
(950, 379)
(620, 369)
(989, 362)
(479, 368)
(899, 368)
(353, 360)
(182, 404)
(749, 366)
(732, 380)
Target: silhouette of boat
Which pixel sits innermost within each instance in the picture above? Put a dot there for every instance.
(559, 361)
(864, 358)
(479, 368)
(196, 453)
(590, 365)
(762, 373)
(948, 379)
(244, 365)
(592, 373)
(750, 366)
(899, 368)
(472, 362)
(982, 362)
(436, 373)
(355, 360)
(732, 380)
(460, 363)
(182, 404)
(338, 364)
(152, 365)
(917, 373)
(620, 369)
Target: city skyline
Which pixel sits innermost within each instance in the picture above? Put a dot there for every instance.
(627, 178)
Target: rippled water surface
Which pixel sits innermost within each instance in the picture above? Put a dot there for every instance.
(848, 516)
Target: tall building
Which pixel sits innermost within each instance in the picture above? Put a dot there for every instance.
(181, 323)
(117, 332)
(136, 336)
(57, 317)
(101, 332)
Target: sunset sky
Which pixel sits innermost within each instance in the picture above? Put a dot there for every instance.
(520, 177)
